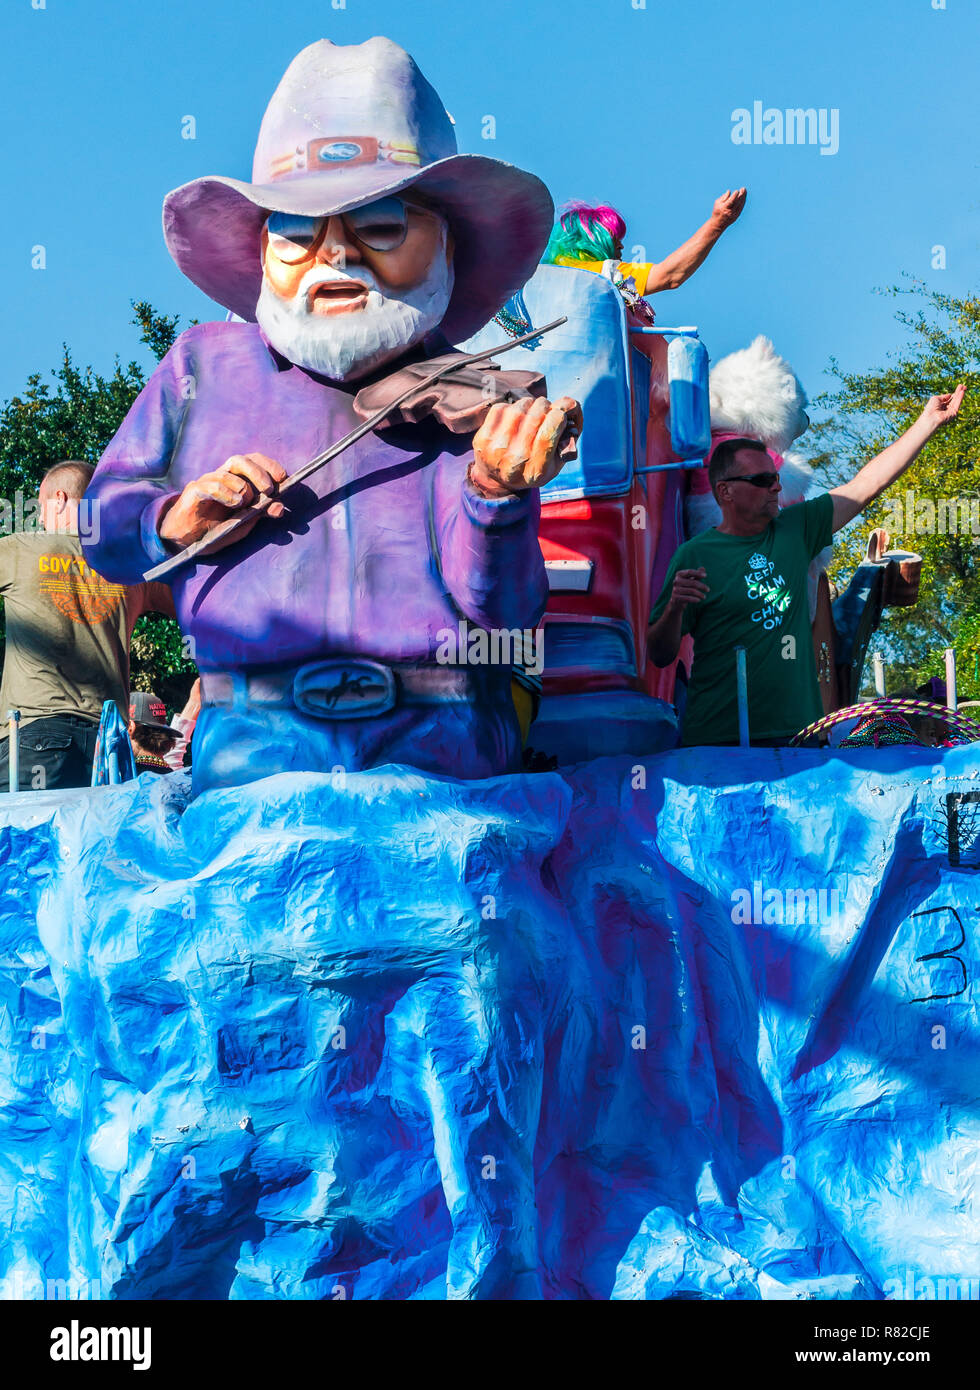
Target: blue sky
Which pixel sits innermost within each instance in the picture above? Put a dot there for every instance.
(602, 100)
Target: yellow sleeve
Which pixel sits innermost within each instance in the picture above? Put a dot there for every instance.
(640, 271)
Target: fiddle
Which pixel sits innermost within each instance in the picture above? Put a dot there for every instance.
(451, 387)
(460, 400)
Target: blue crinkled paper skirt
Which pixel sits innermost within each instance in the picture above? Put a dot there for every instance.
(697, 1026)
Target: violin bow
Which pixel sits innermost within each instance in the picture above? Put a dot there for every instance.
(264, 502)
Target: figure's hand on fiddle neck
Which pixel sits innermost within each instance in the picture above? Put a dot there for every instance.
(524, 445)
(214, 497)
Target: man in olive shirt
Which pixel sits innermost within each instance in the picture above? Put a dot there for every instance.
(743, 583)
(67, 637)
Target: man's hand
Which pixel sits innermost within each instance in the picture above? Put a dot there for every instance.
(728, 207)
(939, 410)
(524, 444)
(852, 497)
(688, 587)
(664, 636)
(229, 491)
(681, 264)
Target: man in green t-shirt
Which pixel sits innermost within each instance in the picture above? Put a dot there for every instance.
(743, 583)
(67, 638)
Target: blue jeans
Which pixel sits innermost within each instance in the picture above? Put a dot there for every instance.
(55, 752)
(452, 738)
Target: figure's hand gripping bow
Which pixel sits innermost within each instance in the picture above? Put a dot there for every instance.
(455, 388)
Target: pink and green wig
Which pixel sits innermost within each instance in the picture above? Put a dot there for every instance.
(585, 233)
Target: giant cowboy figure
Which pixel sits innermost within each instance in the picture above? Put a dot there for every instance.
(365, 242)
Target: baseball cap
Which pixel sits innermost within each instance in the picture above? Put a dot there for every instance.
(147, 708)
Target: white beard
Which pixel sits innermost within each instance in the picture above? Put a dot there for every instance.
(344, 347)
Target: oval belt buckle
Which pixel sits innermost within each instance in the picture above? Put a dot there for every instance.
(344, 688)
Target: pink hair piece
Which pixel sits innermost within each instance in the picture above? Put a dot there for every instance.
(586, 232)
(605, 215)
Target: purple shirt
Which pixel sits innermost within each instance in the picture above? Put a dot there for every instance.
(379, 550)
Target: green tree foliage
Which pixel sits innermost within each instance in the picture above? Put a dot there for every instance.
(865, 413)
(75, 417)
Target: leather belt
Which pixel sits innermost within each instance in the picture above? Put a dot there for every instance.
(341, 687)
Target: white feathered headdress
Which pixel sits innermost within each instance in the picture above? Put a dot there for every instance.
(755, 392)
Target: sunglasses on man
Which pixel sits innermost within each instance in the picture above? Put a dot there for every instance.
(755, 479)
(380, 226)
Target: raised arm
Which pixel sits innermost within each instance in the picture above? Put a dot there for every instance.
(853, 496)
(681, 264)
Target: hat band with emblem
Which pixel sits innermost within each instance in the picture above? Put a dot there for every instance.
(340, 152)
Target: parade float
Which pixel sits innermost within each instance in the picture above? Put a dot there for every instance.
(378, 1015)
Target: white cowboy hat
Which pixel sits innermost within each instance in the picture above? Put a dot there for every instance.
(346, 125)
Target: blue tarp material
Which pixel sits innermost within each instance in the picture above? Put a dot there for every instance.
(395, 1037)
(113, 760)
(586, 357)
